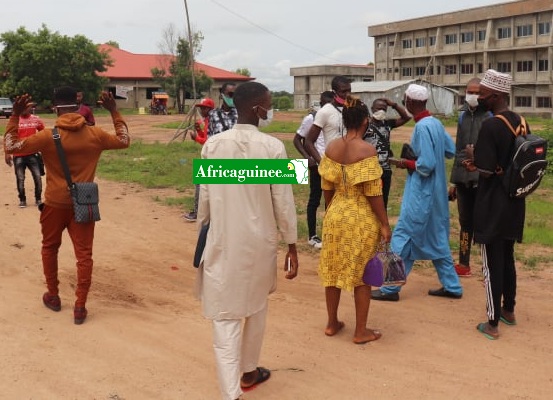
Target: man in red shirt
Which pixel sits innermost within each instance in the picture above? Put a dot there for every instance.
(201, 125)
(200, 136)
(85, 110)
(29, 124)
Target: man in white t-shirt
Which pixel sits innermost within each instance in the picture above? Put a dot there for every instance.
(315, 192)
(329, 118)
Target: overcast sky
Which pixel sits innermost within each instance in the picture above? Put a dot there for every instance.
(267, 37)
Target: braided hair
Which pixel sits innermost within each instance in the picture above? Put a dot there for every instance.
(354, 113)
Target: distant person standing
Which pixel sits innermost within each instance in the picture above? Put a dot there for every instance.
(378, 134)
(223, 118)
(85, 110)
(328, 120)
(315, 191)
(199, 135)
(29, 124)
(465, 183)
(498, 219)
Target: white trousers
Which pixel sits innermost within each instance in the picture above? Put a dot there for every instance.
(237, 350)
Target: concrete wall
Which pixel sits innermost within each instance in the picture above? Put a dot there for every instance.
(311, 81)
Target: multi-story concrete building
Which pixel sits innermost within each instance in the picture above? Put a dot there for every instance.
(449, 49)
(311, 81)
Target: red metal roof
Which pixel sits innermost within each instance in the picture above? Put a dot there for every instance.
(128, 65)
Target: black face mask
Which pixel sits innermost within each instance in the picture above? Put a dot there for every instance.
(484, 102)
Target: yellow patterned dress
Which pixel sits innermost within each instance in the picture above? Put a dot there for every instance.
(351, 230)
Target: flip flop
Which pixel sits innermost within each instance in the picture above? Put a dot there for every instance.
(482, 329)
(263, 374)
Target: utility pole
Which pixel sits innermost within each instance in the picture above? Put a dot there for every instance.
(191, 44)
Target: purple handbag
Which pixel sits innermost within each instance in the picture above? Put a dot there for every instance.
(385, 269)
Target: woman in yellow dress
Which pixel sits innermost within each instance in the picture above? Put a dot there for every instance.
(355, 221)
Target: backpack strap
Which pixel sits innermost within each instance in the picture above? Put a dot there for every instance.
(521, 128)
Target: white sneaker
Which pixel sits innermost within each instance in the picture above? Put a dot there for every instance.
(316, 242)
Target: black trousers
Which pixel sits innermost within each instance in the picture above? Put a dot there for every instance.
(315, 193)
(500, 277)
(466, 197)
(386, 185)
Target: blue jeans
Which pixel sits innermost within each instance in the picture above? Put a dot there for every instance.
(20, 164)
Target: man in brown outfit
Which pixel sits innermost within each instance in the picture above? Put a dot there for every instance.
(83, 145)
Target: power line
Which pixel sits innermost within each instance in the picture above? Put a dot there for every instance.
(299, 46)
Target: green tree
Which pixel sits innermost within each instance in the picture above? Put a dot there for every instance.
(243, 71)
(284, 103)
(175, 73)
(282, 100)
(36, 63)
(113, 43)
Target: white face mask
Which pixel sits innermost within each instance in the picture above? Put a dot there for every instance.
(265, 122)
(472, 100)
(379, 115)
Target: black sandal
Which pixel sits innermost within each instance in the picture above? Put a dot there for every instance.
(263, 374)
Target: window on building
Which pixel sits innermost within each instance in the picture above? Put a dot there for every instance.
(467, 69)
(419, 71)
(406, 71)
(451, 38)
(407, 43)
(543, 65)
(391, 43)
(523, 101)
(432, 41)
(480, 68)
(525, 66)
(431, 70)
(389, 70)
(525, 30)
(543, 102)
(544, 28)
(504, 33)
(438, 69)
(504, 67)
(467, 37)
(450, 69)
(420, 42)
(481, 35)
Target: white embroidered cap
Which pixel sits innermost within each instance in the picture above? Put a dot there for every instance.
(497, 81)
(417, 92)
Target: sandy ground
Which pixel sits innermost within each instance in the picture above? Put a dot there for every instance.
(145, 337)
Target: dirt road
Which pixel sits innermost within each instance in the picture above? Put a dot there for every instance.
(146, 339)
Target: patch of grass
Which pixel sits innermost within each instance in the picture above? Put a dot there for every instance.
(170, 166)
(151, 165)
(281, 127)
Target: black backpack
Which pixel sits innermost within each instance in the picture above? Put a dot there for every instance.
(528, 163)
